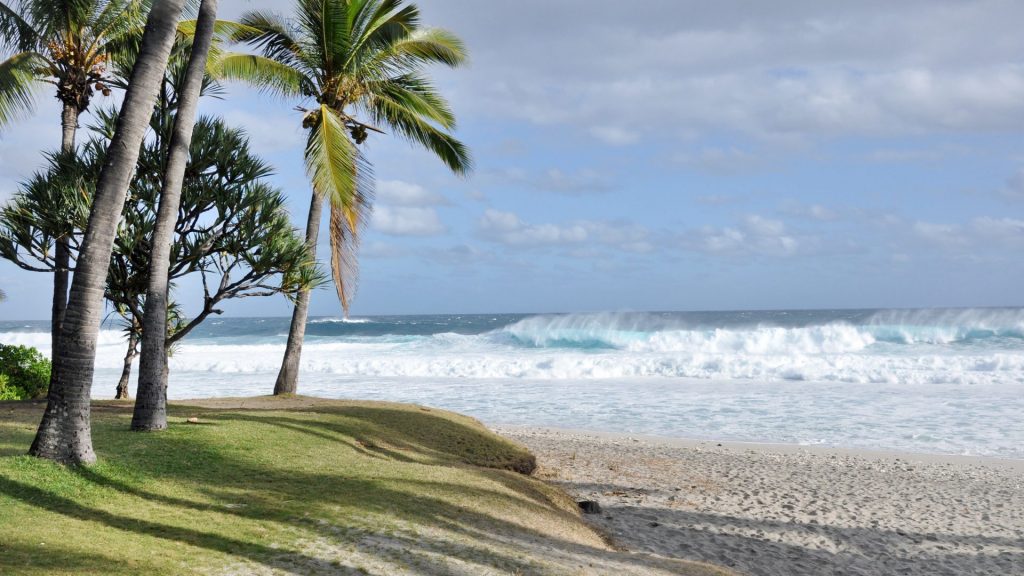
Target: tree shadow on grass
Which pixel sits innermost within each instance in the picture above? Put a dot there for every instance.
(320, 510)
(209, 540)
(47, 558)
(394, 432)
(18, 421)
(333, 491)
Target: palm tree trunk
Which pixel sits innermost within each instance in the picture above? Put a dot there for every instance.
(126, 372)
(65, 433)
(62, 253)
(288, 377)
(151, 398)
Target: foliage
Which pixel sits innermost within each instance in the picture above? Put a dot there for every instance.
(353, 58)
(232, 231)
(48, 207)
(69, 45)
(24, 373)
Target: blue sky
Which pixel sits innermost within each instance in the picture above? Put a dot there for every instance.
(677, 156)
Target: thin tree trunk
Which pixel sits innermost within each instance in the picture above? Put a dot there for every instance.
(65, 433)
(126, 371)
(62, 252)
(151, 398)
(288, 377)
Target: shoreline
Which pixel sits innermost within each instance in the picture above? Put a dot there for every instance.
(1016, 464)
(780, 510)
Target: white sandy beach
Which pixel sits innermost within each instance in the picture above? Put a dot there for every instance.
(788, 510)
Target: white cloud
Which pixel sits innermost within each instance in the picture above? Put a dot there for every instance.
(949, 235)
(753, 235)
(1008, 232)
(382, 250)
(407, 221)
(578, 183)
(614, 135)
(399, 193)
(509, 229)
(809, 211)
(982, 237)
(781, 70)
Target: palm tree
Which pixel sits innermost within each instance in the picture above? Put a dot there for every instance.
(353, 59)
(64, 434)
(67, 44)
(151, 398)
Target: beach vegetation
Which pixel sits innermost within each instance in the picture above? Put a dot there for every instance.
(356, 69)
(233, 231)
(24, 373)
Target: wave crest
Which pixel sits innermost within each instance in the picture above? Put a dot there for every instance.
(644, 333)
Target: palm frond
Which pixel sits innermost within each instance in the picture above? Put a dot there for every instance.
(16, 32)
(331, 158)
(18, 87)
(398, 110)
(118, 18)
(424, 46)
(262, 72)
(336, 20)
(342, 176)
(346, 225)
(417, 95)
(391, 23)
(344, 257)
(273, 37)
(223, 30)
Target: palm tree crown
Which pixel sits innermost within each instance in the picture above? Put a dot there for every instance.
(67, 43)
(360, 62)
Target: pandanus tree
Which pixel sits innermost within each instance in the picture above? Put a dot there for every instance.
(67, 44)
(231, 231)
(355, 67)
(65, 433)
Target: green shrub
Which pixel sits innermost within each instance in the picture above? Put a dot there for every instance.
(6, 391)
(24, 373)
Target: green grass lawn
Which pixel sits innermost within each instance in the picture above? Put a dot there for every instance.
(297, 485)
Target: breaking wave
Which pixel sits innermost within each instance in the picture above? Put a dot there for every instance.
(976, 346)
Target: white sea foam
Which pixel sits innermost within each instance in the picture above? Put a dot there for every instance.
(949, 381)
(606, 348)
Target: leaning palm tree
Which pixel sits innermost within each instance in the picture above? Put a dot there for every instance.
(67, 44)
(65, 431)
(151, 400)
(360, 64)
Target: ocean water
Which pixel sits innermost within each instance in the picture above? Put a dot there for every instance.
(941, 381)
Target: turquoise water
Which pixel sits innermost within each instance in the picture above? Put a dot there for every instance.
(930, 380)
